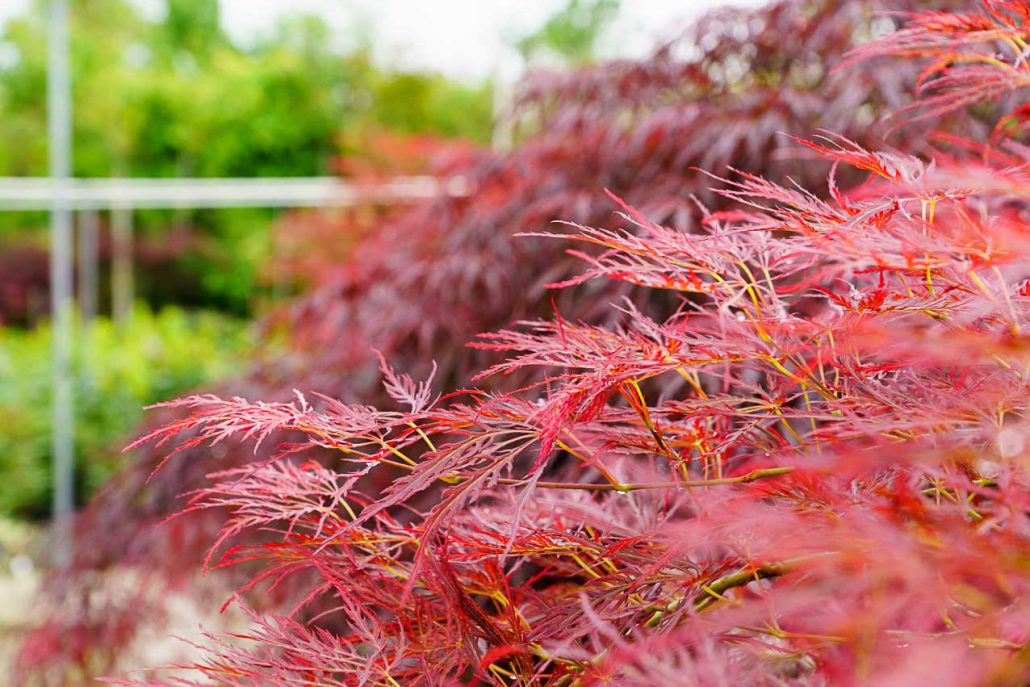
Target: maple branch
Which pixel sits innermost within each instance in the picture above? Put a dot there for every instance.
(752, 476)
(714, 590)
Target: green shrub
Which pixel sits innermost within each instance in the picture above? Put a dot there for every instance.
(118, 371)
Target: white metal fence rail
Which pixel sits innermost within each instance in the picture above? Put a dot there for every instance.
(39, 193)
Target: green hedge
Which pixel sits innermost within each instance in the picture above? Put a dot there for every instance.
(118, 370)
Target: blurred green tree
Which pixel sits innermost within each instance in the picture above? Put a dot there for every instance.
(175, 97)
(571, 35)
(190, 26)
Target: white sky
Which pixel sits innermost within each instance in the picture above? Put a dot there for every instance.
(462, 38)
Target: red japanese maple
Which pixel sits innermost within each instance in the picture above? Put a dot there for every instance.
(796, 452)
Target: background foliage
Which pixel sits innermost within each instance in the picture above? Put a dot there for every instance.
(119, 369)
(175, 97)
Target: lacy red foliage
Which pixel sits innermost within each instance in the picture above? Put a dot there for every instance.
(796, 452)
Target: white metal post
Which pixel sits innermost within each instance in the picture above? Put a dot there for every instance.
(121, 263)
(59, 126)
(88, 270)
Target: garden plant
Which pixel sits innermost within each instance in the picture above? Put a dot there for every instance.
(773, 431)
